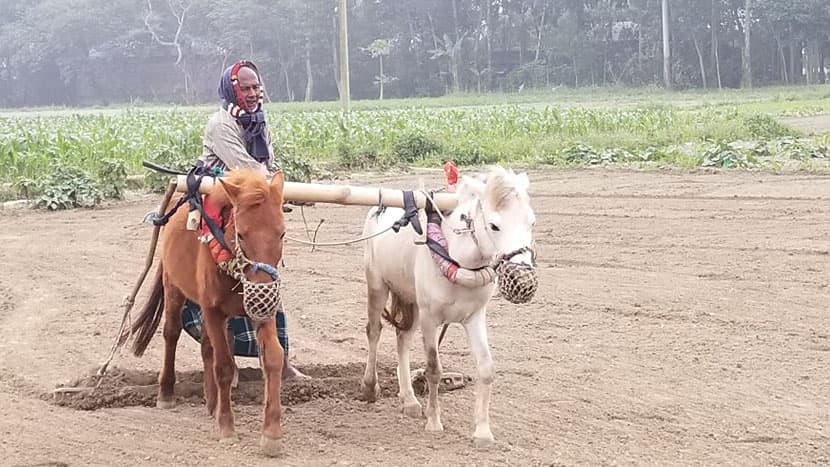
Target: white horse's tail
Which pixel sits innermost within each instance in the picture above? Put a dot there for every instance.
(400, 313)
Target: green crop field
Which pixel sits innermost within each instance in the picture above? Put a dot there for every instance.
(61, 156)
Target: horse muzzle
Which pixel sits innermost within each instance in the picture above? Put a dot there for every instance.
(518, 281)
(261, 300)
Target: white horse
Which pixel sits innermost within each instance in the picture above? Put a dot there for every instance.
(493, 221)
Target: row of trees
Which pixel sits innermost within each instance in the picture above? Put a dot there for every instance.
(75, 52)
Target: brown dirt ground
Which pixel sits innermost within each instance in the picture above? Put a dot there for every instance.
(812, 125)
(682, 319)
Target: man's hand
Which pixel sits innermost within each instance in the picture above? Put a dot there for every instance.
(287, 208)
(300, 203)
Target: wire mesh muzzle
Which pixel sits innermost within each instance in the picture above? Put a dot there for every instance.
(261, 300)
(518, 282)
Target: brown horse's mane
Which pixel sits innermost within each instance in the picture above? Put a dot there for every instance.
(254, 189)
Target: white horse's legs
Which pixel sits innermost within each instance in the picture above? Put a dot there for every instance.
(409, 404)
(476, 328)
(370, 389)
(433, 374)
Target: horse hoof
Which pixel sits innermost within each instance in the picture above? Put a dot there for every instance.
(271, 447)
(228, 437)
(482, 442)
(165, 404)
(369, 393)
(413, 410)
(434, 426)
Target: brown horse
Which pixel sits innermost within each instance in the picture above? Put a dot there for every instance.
(188, 270)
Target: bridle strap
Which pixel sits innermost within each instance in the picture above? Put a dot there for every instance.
(438, 248)
(410, 215)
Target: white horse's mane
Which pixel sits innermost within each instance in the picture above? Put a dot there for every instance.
(498, 185)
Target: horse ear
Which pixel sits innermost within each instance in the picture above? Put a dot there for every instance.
(470, 188)
(232, 190)
(278, 184)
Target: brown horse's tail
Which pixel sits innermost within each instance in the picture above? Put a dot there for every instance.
(400, 313)
(144, 327)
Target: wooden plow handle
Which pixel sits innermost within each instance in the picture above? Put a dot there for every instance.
(342, 194)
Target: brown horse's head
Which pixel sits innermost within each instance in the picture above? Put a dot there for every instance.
(259, 223)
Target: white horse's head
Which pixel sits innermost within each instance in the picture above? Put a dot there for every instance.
(499, 214)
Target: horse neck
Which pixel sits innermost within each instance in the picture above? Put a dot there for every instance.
(464, 248)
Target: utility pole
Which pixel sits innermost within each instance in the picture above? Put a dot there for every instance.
(666, 46)
(345, 95)
(746, 55)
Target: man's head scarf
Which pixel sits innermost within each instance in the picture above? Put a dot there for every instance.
(252, 120)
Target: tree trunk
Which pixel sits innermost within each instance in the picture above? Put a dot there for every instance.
(456, 51)
(476, 62)
(489, 45)
(336, 61)
(522, 35)
(812, 61)
(815, 62)
(187, 89)
(700, 61)
(715, 23)
(780, 46)
(309, 84)
(746, 56)
(605, 63)
(541, 28)
(436, 46)
(289, 93)
(412, 37)
(795, 45)
(640, 52)
(667, 79)
(380, 59)
(640, 42)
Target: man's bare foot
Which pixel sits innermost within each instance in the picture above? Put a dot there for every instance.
(289, 372)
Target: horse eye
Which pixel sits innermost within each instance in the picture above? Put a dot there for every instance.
(282, 235)
(494, 228)
(240, 236)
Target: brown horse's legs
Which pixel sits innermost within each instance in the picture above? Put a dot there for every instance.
(209, 384)
(216, 327)
(231, 340)
(173, 302)
(271, 357)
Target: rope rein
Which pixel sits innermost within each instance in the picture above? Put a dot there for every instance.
(314, 243)
(345, 242)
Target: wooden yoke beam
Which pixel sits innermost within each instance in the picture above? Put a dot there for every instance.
(341, 194)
